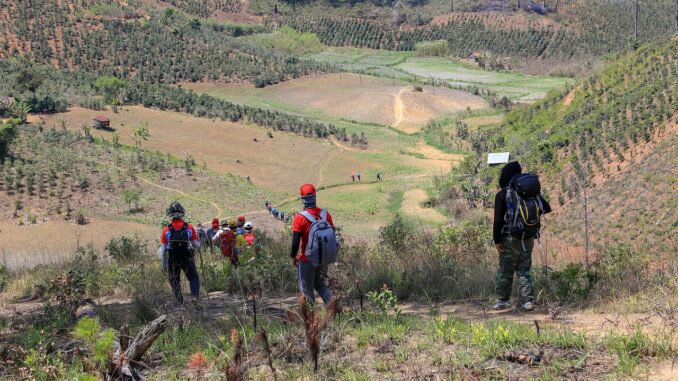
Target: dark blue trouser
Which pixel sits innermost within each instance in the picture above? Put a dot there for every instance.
(313, 278)
(174, 268)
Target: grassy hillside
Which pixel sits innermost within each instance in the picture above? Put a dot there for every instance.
(126, 39)
(57, 180)
(579, 32)
(612, 134)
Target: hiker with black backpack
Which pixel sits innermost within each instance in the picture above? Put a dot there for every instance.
(518, 208)
(179, 240)
(313, 232)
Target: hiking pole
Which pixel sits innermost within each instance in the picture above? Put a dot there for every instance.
(204, 276)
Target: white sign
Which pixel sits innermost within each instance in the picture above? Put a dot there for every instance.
(498, 158)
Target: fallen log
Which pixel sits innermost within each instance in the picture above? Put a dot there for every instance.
(128, 354)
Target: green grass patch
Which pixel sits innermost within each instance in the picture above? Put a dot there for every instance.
(289, 41)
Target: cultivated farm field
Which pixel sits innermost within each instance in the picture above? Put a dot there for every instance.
(456, 73)
(277, 166)
(365, 99)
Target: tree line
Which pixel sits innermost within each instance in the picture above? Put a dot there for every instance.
(165, 48)
(45, 89)
(596, 28)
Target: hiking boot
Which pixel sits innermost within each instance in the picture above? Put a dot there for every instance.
(502, 305)
(195, 303)
(528, 306)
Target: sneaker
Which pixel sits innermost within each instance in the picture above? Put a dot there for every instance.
(528, 306)
(501, 305)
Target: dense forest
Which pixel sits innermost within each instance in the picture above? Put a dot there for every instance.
(588, 30)
(112, 39)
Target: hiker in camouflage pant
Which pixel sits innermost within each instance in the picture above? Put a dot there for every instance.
(516, 257)
(515, 253)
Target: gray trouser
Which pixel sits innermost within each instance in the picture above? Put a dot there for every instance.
(313, 278)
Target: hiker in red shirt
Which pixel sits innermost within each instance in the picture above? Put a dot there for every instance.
(179, 239)
(310, 276)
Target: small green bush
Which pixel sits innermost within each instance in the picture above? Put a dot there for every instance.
(126, 249)
(438, 48)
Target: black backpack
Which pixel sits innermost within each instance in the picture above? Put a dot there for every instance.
(179, 246)
(524, 207)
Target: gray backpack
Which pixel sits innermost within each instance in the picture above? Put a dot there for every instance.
(322, 248)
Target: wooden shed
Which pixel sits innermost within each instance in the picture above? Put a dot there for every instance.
(101, 121)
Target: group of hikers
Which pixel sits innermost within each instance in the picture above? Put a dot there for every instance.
(276, 213)
(179, 241)
(518, 209)
(358, 176)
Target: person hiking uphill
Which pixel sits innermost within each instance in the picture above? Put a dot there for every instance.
(178, 240)
(249, 233)
(211, 232)
(313, 232)
(518, 208)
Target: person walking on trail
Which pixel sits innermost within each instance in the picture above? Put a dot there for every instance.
(378, 176)
(518, 208)
(353, 177)
(275, 212)
(241, 222)
(178, 242)
(211, 232)
(249, 234)
(227, 240)
(267, 203)
(313, 232)
(358, 176)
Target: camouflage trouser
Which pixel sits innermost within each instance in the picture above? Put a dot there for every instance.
(517, 257)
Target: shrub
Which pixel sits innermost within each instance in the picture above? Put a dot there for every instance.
(574, 283)
(126, 249)
(439, 48)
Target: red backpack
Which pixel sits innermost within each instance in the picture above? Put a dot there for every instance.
(228, 243)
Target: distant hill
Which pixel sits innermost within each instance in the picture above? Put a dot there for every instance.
(615, 135)
(579, 32)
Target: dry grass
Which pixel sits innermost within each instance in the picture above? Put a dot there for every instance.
(55, 240)
(278, 164)
(362, 98)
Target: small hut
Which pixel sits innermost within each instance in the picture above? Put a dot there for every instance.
(101, 121)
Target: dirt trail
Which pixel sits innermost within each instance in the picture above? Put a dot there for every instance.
(412, 200)
(184, 194)
(398, 108)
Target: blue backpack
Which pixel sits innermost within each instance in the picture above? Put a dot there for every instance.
(322, 247)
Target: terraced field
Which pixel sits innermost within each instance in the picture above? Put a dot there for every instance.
(406, 66)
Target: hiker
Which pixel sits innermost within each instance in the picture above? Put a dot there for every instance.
(275, 213)
(178, 240)
(358, 176)
(249, 233)
(353, 177)
(313, 231)
(227, 240)
(202, 235)
(211, 232)
(518, 208)
(239, 226)
(378, 176)
(282, 216)
(267, 203)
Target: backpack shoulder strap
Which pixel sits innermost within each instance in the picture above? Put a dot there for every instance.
(323, 215)
(308, 216)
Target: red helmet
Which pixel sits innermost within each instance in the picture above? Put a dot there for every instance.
(215, 223)
(242, 219)
(306, 190)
